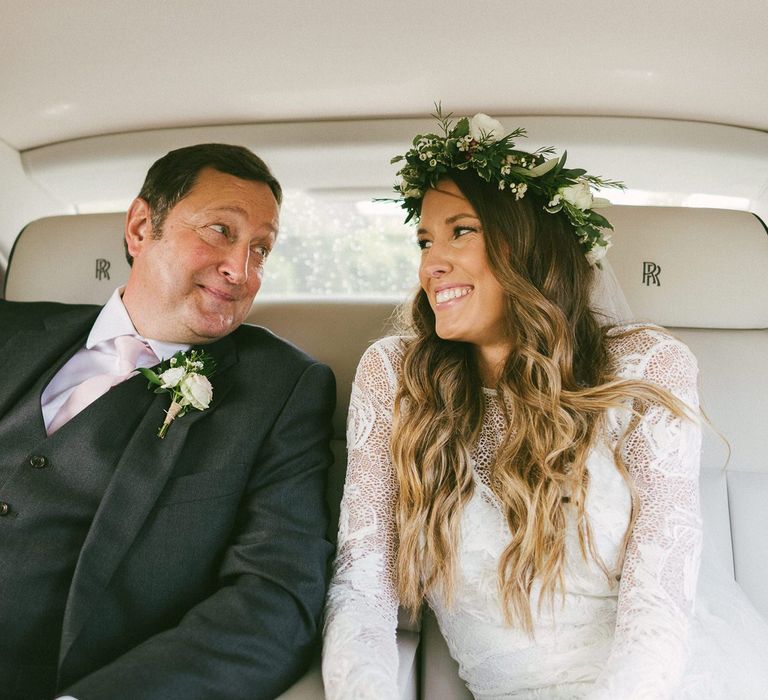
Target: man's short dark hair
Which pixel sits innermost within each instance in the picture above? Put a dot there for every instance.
(171, 177)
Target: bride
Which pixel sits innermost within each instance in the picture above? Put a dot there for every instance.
(523, 466)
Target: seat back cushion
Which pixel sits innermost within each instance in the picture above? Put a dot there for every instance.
(336, 333)
(76, 259)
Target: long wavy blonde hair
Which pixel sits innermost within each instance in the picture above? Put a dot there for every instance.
(554, 389)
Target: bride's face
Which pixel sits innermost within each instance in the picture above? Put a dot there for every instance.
(466, 297)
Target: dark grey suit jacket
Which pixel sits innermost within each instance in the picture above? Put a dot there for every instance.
(204, 571)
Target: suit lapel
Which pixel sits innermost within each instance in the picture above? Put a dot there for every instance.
(139, 478)
(30, 352)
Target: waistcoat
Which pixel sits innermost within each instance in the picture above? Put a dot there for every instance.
(50, 489)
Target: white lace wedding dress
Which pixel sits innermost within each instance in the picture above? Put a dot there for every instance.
(636, 638)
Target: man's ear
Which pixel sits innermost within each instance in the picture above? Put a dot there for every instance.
(138, 226)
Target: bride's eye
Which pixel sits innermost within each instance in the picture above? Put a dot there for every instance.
(423, 243)
(459, 231)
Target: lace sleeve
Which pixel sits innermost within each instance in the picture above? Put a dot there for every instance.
(658, 579)
(359, 651)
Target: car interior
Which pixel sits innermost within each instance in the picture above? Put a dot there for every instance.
(669, 107)
(729, 338)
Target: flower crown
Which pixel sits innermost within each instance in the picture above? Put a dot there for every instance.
(476, 143)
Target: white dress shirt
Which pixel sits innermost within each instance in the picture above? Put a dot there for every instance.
(99, 355)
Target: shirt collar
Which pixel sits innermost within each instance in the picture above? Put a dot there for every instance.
(113, 321)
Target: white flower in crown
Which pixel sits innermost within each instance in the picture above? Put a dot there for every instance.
(482, 127)
(408, 190)
(596, 254)
(579, 195)
(186, 380)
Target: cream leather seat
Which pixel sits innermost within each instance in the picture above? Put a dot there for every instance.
(701, 273)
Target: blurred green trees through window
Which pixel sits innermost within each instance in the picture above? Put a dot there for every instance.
(341, 246)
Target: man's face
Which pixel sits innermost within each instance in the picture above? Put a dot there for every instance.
(196, 282)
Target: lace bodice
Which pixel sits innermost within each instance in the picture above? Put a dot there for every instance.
(609, 639)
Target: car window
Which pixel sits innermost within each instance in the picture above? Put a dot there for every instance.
(341, 246)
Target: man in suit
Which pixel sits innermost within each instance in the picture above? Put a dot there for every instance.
(193, 566)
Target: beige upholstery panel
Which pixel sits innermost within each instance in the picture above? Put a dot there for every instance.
(440, 673)
(708, 277)
(734, 393)
(74, 259)
(716, 516)
(336, 332)
(408, 664)
(748, 502)
(733, 376)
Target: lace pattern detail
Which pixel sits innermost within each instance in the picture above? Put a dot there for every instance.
(359, 650)
(658, 579)
(609, 639)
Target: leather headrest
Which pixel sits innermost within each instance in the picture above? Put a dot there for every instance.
(680, 267)
(691, 268)
(77, 259)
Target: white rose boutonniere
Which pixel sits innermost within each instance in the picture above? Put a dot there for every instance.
(186, 380)
(485, 128)
(196, 390)
(171, 377)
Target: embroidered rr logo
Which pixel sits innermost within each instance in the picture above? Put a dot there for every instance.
(651, 272)
(102, 269)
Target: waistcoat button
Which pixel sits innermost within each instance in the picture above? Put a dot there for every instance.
(4, 508)
(38, 462)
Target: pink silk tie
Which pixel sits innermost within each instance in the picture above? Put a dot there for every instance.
(129, 350)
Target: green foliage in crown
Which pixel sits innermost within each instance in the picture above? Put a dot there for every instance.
(476, 144)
